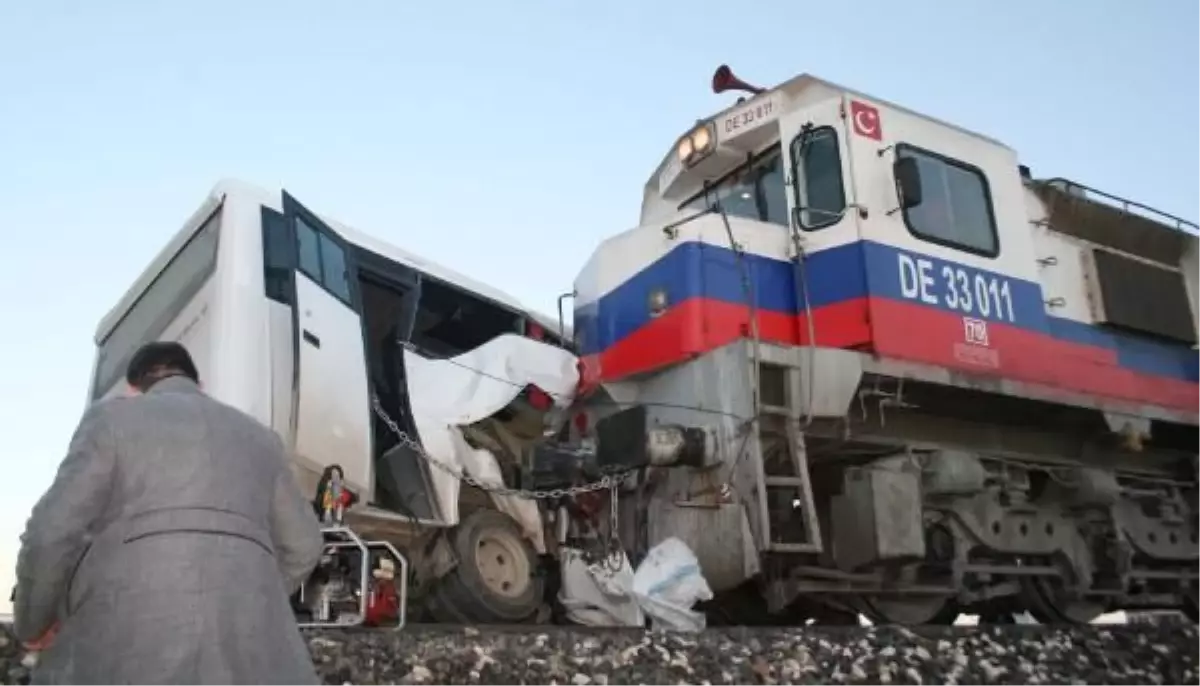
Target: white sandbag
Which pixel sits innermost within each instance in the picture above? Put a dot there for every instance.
(668, 583)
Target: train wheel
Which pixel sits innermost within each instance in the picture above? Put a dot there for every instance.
(911, 611)
(1049, 603)
(496, 580)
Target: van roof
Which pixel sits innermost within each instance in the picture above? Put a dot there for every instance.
(234, 188)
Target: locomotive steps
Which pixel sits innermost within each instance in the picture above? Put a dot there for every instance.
(1012, 654)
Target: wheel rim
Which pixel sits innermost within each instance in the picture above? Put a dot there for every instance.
(917, 609)
(1048, 602)
(911, 611)
(502, 564)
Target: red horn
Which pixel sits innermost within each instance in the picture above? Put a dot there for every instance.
(724, 80)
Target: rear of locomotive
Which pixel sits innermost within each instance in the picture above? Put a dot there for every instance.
(870, 367)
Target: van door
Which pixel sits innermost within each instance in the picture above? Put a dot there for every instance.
(390, 294)
(333, 412)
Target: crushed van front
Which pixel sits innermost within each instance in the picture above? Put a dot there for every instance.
(484, 408)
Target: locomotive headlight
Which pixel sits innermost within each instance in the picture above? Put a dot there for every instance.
(685, 149)
(697, 144)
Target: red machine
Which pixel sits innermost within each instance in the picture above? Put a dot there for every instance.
(344, 589)
(383, 601)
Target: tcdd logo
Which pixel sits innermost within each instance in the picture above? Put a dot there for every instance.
(975, 331)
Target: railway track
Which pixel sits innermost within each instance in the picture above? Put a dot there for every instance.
(812, 654)
(997, 654)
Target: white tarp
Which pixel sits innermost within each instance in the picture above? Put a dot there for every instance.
(598, 594)
(666, 585)
(454, 392)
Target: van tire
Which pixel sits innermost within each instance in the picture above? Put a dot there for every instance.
(496, 580)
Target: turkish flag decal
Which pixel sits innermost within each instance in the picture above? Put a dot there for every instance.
(866, 120)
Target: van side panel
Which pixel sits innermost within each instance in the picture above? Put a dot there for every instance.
(242, 371)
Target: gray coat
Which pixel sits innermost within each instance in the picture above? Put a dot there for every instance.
(167, 547)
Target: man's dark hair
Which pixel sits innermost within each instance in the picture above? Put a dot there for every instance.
(156, 361)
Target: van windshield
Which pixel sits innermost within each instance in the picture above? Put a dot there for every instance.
(158, 305)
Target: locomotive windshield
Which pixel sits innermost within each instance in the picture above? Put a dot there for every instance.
(754, 191)
(759, 190)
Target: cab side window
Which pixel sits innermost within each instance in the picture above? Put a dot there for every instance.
(817, 178)
(956, 205)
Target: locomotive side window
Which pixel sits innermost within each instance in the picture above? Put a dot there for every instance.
(817, 178)
(955, 209)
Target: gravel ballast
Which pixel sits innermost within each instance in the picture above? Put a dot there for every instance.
(1111, 654)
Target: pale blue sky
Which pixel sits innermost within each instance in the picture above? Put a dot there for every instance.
(502, 139)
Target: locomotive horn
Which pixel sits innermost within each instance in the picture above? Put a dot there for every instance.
(724, 80)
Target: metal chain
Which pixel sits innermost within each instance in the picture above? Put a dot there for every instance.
(608, 481)
(612, 559)
(614, 556)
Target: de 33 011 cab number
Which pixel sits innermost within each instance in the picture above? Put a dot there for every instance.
(955, 287)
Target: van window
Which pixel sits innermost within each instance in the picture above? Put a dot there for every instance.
(450, 321)
(333, 268)
(308, 248)
(322, 259)
(956, 205)
(278, 261)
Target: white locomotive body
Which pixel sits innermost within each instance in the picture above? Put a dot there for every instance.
(911, 379)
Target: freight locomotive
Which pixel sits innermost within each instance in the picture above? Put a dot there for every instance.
(909, 378)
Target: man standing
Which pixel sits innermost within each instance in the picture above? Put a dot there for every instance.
(168, 544)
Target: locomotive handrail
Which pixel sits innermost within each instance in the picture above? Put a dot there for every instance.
(1123, 204)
